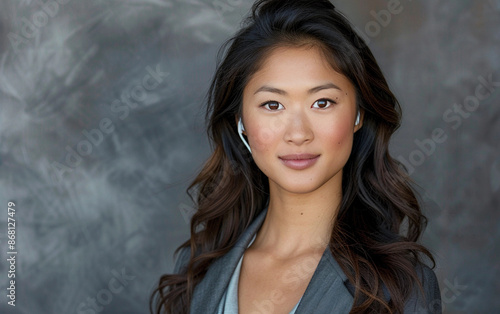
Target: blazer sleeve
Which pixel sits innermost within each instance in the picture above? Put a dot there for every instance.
(430, 302)
(182, 260)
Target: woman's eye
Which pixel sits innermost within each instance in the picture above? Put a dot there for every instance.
(272, 105)
(323, 103)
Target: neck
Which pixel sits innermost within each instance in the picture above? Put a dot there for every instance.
(299, 223)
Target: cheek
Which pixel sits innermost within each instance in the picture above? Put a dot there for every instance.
(339, 136)
(263, 142)
(263, 136)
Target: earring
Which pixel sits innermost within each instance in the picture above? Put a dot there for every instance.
(357, 119)
(241, 128)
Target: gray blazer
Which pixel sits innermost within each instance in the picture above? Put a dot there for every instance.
(327, 292)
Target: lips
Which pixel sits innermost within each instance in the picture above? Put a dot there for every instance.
(299, 156)
(299, 161)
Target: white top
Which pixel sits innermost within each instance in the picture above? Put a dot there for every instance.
(229, 301)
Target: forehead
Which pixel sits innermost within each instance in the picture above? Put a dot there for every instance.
(296, 68)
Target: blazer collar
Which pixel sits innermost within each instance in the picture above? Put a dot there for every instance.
(326, 290)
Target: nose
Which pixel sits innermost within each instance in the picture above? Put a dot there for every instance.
(298, 129)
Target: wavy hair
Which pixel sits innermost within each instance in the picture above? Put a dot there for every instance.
(374, 238)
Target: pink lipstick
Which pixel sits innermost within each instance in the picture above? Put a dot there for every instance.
(299, 161)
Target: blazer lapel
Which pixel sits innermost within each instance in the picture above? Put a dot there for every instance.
(325, 293)
(208, 293)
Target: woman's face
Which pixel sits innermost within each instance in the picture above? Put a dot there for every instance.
(297, 104)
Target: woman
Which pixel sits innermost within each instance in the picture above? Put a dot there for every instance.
(300, 205)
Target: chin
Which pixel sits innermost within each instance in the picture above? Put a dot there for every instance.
(304, 187)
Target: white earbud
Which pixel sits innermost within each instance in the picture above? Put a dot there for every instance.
(357, 119)
(241, 128)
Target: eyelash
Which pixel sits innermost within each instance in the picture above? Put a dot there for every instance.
(276, 102)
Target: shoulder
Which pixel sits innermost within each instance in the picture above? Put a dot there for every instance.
(430, 300)
(182, 259)
(425, 301)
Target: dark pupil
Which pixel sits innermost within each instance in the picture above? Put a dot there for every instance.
(273, 105)
(321, 103)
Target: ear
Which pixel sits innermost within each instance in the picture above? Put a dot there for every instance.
(236, 121)
(360, 124)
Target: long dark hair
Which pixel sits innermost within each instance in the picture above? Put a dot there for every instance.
(378, 199)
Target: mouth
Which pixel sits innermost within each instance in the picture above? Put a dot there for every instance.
(299, 161)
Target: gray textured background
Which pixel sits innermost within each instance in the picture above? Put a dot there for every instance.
(122, 207)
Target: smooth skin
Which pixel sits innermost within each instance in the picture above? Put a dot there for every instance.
(295, 103)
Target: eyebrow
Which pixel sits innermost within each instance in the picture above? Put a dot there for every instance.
(313, 90)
